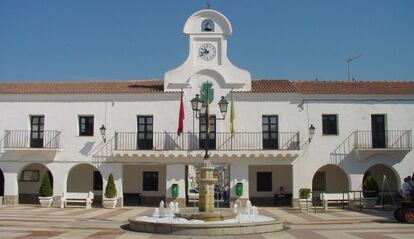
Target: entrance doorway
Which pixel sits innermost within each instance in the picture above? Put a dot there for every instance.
(378, 131)
(37, 124)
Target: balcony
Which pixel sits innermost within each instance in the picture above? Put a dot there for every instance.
(31, 140)
(222, 141)
(396, 143)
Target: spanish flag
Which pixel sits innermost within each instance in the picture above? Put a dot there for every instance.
(232, 131)
(181, 116)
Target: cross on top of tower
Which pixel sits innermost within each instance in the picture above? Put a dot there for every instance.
(208, 4)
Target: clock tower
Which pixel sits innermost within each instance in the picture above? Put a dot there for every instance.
(208, 31)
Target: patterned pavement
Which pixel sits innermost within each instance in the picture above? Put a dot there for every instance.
(34, 222)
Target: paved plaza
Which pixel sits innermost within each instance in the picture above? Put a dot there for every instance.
(35, 222)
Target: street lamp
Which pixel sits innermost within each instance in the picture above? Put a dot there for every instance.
(311, 132)
(103, 132)
(199, 107)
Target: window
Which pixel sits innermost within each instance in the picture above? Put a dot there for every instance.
(29, 176)
(85, 125)
(329, 124)
(203, 132)
(270, 132)
(264, 181)
(97, 181)
(144, 135)
(150, 181)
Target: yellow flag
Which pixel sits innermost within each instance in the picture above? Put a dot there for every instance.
(232, 116)
(208, 116)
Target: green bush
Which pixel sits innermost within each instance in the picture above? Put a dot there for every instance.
(369, 184)
(110, 190)
(45, 189)
(304, 193)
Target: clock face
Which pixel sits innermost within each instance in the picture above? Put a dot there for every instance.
(207, 51)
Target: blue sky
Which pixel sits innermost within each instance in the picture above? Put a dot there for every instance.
(84, 40)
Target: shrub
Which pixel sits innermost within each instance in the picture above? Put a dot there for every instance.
(110, 190)
(304, 193)
(369, 184)
(45, 189)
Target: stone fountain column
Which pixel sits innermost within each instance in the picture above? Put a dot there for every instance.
(206, 184)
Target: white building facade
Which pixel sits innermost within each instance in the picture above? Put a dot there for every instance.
(54, 128)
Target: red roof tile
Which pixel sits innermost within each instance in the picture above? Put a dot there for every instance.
(102, 87)
(273, 86)
(355, 87)
(258, 86)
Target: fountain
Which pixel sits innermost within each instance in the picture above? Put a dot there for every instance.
(206, 220)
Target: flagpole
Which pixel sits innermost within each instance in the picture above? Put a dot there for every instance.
(231, 119)
(207, 115)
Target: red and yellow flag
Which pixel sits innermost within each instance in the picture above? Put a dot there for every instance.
(181, 115)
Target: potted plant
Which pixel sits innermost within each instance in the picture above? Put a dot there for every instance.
(304, 202)
(110, 199)
(370, 191)
(45, 192)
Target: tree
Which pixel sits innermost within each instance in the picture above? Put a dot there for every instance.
(370, 187)
(110, 190)
(45, 189)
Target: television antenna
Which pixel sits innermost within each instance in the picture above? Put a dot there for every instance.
(348, 61)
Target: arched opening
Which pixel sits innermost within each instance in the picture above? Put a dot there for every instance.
(1, 183)
(387, 180)
(207, 26)
(85, 178)
(30, 179)
(330, 179)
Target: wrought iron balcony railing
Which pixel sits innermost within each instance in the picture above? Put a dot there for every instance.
(224, 141)
(373, 140)
(48, 139)
(388, 139)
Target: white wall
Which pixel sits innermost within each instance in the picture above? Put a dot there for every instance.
(133, 176)
(281, 176)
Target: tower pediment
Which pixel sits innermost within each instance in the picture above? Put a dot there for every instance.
(208, 31)
(194, 25)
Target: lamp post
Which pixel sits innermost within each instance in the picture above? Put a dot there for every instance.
(103, 132)
(311, 132)
(199, 107)
(206, 179)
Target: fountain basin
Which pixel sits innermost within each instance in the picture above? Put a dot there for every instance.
(181, 226)
(217, 215)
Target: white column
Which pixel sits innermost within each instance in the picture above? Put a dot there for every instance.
(117, 171)
(239, 173)
(60, 174)
(175, 174)
(11, 186)
(356, 182)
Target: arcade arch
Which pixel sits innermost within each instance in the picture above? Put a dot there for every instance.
(29, 181)
(84, 178)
